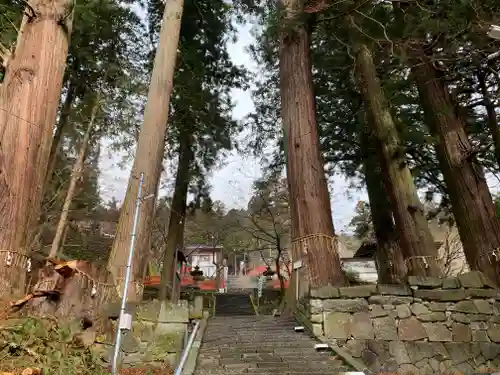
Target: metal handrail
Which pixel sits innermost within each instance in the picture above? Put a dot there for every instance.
(187, 349)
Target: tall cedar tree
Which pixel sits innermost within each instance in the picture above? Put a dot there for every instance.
(389, 258)
(76, 176)
(416, 240)
(148, 158)
(471, 201)
(202, 128)
(176, 224)
(29, 95)
(309, 198)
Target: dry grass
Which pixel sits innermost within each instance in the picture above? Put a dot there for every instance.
(43, 344)
(38, 343)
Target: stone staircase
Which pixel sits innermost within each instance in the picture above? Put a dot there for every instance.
(241, 282)
(236, 341)
(235, 303)
(261, 345)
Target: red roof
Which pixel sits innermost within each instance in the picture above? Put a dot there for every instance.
(259, 270)
(211, 284)
(187, 280)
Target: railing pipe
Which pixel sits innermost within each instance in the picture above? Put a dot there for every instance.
(187, 349)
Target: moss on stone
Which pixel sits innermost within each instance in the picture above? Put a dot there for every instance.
(165, 343)
(143, 330)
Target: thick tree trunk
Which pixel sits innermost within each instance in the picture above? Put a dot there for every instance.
(277, 264)
(149, 156)
(176, 223)
(390, 262)
(75, 177)
(471, 201)
(491, 113)
(29, 96)
(309, 198)
(61, 127)
(416, 240)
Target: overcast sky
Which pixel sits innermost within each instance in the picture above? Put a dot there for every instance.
(232, 183)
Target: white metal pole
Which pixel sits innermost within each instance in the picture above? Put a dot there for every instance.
(114, 368)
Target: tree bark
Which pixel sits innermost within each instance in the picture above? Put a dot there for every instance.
(389, 258)
(277, 263)
(75, 177)
(416, 240)
(175, 236)
(149, 157)
(29, 97)
(472, 204)
(309, 198)
(491, 114)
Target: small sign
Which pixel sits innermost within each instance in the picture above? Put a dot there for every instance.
(125, 323)
(297, 264)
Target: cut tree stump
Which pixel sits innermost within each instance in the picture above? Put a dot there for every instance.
(74, 290)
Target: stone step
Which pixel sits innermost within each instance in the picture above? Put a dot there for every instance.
(246, 322)
(269, 363)
(300, 342)
(266, 354)
(263, 356)
(263, 327)
(236, 309)
(262, 346)
(287, 330)
(233, 305)
(263, 371)
(257, 337)
(235, 312)
(231, 308)
(260, 371)
(230, 331)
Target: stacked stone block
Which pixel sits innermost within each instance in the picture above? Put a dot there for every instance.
(428, 326)
(156, 337)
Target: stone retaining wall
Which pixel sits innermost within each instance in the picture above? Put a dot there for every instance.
(157, 335)
(429, 326)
